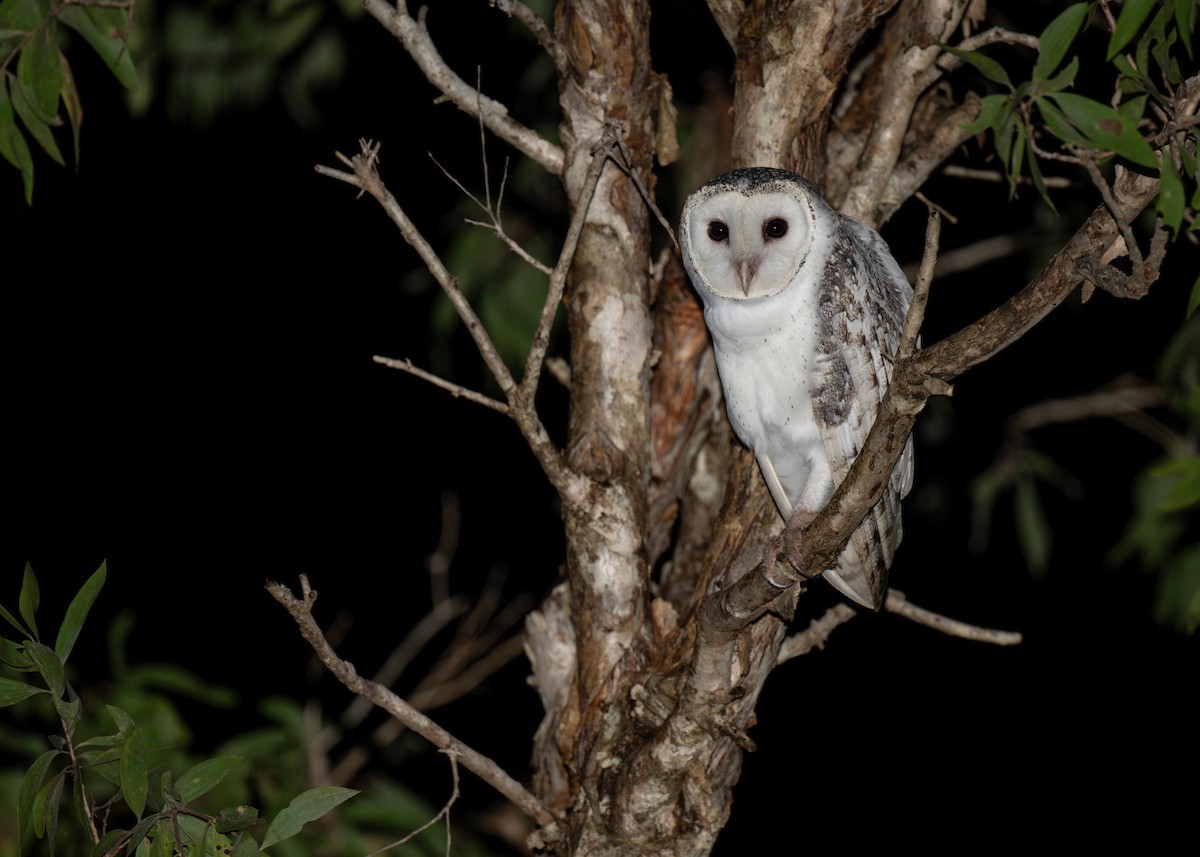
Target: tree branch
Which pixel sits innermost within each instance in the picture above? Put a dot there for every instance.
(520, 408)
(491, 773)
(415, 39)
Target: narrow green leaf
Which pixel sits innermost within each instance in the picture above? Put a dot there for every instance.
(13, 654)
(1063, 79)
(48, 665)
(77, 611)
(1194, 300)
(36, 124)
(53, 805)
(1133, 13)
(1104, 128)
(305, 807)
(107, 841)
(31, 784)
(164, 841)
(74, 107)
(121, 717)
(101, 28)
(1184, 489)
(1185, 21)
(29, 600)
(246, 847)
(12, 691)
(1060, 126)
(39, 70)
(991, 109)
(1018, 160)
(1172, 198)
(137, 836)
(134, 779)
(987, 66)
(1056, 39)
(45, 805)
(1032, 531)
(204, 776)
(1133, 109)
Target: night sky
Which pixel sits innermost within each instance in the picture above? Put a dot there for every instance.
(189, 323)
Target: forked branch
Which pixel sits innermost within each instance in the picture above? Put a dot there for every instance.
(491, 773)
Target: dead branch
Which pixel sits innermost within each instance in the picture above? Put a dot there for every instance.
(455, 390)
(491, 773)
(897, 603)
(520, 407)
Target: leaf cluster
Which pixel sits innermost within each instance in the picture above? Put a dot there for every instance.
(1142, 116)
(36, 78)
(104, 772)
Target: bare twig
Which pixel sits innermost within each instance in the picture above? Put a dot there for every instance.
(920, 297)
(996, 176)
(816, 634)
(444, 812)
(455, 390)
(558, 277)
(491, 773)
(901, 606)
(520, 407)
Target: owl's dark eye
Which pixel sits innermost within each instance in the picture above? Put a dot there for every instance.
(718, 231)
(776, 227)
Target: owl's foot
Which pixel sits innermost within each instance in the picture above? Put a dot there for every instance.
(776, 568)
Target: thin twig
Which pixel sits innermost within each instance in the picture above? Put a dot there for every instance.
(491, 773)
(816, 634)
(443, 813)
(956, 171)
(897, 603)
(920, 298)
(455, 390)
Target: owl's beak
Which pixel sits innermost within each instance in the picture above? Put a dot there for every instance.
(746, 269)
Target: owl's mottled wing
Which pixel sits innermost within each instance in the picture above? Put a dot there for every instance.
(863, 298)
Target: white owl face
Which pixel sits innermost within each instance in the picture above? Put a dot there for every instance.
(741, 246)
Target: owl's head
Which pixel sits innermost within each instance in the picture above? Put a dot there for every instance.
(746, 233)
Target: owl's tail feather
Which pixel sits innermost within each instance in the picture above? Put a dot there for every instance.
(862, 571)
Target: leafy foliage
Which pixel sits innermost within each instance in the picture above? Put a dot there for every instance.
(1145, 95)
(33, 36)
(107, 770)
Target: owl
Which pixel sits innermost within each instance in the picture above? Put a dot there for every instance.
(805, 308)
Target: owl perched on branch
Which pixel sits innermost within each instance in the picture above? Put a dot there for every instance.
(805, 307)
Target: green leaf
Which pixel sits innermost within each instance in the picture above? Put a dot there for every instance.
(1133, 13)
(29, 599)
(134, 779)
(987, 66)
(1064, 78)
(53, 804)
(1172, 197)
(246, 847)
(1032, 530)
(14, 655)
(48, 665)
(1056, 39)
(1104, 128)
(305, 807)
(31, 785)
(1184, 489)
(138, 835)
(36, 124)
(70, 98)
(38, 68)
(991, 109)
(238, 817)
(1194, 300)
(204, 776)
(102, 28)
(77, 612)
(12, 691)
(1060, 126)
(107, 841)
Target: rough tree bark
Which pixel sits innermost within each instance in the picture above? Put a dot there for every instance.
(650, 679)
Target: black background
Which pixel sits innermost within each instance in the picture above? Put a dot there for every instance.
(188, 326)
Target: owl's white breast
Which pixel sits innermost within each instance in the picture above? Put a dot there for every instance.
(765, 350)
